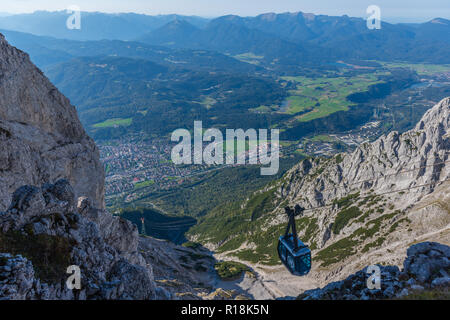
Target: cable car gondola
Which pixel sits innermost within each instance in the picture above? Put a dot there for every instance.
(295, 255)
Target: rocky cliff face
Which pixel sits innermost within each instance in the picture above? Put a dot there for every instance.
(394, 162)
(41, 138)
(51, 184)
(44, 232)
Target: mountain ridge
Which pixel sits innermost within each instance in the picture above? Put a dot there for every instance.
(335, 38)
(41, 133)
(95, 25)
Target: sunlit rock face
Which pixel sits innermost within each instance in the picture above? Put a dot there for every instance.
(41, 137)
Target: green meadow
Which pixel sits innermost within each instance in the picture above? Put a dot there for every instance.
(249, 58)
(420, 68)
(143, 184)
(324, 96)
(114, 122)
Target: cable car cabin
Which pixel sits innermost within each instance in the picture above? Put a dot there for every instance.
(294, 254)
(297, 261)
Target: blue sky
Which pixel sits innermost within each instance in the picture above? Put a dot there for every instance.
(401, 10)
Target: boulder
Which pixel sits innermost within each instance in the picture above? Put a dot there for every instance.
(423, 269)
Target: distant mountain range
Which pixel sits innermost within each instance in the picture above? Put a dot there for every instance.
(300, 37)
(46, 51)
(95, 25)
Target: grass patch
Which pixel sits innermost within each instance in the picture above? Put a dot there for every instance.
(322, 138)
(311, 230)
(434, 294)
(249, 57)
(230, 270)
(297, 104)
(346, 201)
(260, 203)
(336, 252)
(248, 255)
(143, 184)
(325, 95)
(372, 227)
(192, 245)
(344, 217)
(116, 122)
(420, 68)
(374, 244)
(50, 255)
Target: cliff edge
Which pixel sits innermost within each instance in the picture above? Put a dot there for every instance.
(41, 137)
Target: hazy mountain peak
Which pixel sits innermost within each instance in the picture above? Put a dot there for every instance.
(440, 21)
(271, 16)
(178, 23)
(309, 16)
(171, 33)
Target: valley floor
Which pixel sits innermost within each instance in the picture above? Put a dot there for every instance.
(271, 282)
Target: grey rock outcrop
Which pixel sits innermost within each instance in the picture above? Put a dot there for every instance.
(41, 137)
(16, 276)
(111, 267)
(425, 268)
(47, 226)
(427, 261)
(120, 234)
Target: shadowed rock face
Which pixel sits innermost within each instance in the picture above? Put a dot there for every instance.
(41, 137)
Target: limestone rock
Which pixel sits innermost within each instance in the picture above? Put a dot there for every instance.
(427, 259)
(41, 137)
(16, 277)
(394, 284)
(111, 267)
